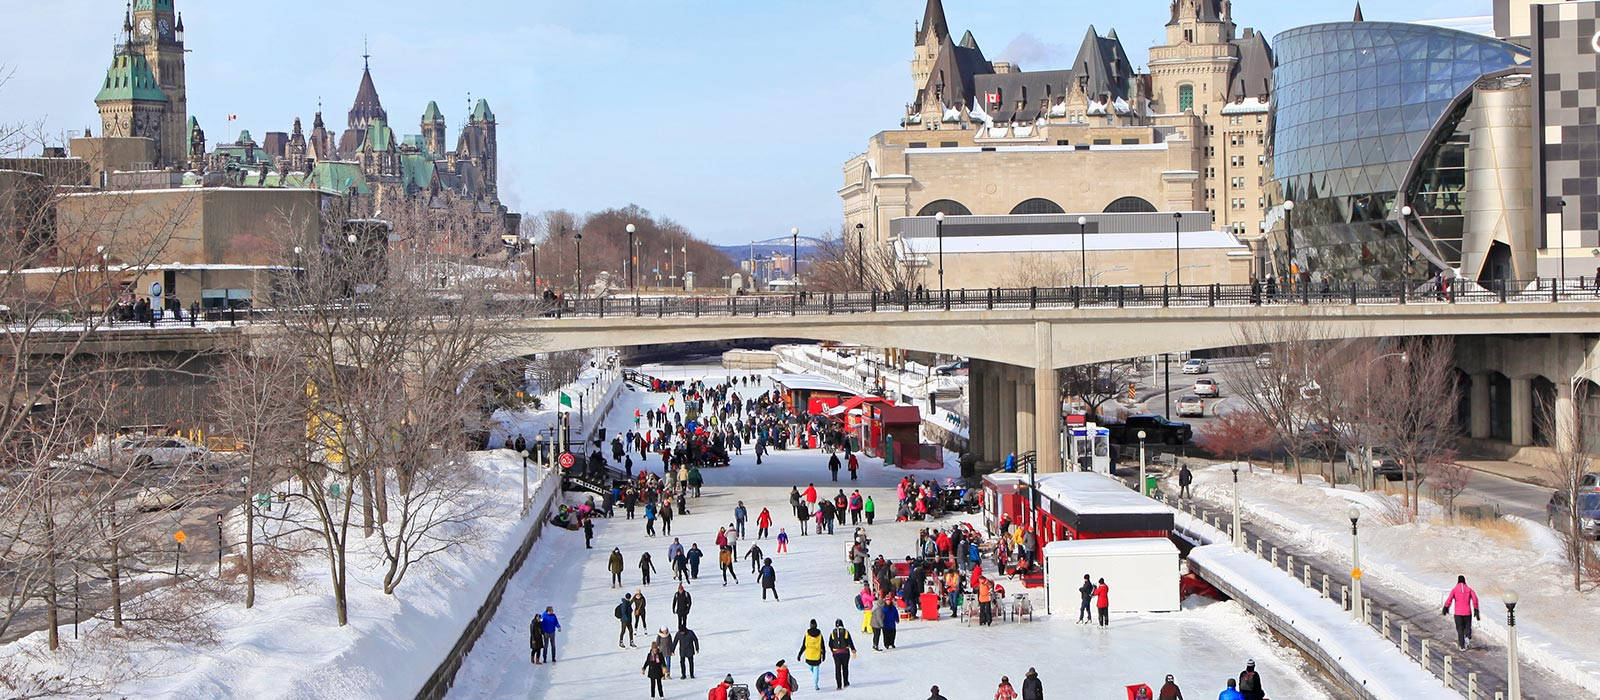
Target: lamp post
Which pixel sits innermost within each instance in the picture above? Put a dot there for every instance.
(938, 232)
(1561, 234)
(524, 483)
(794, 263)
(1177, 245)
(1288, 226)
(1140, 486)
(633, 261)
(577, 238)
(1355, 565)
(1513, 673)
(1083, 251)
(1238, 532)
(1168, 274)
(861, 256)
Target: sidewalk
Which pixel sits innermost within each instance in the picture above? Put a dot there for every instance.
(1515, 471)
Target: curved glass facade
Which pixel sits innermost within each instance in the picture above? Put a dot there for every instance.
(1353, 105)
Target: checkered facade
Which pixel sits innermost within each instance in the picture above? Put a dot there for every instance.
(1566, 44)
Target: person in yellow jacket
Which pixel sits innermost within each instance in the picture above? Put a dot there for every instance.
(812, 650)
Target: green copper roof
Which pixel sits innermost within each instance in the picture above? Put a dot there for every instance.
(244, 136)
(379, 136)
(337, 176)
(432, 113)
(129, 78)
(481, 112)
(152, 4)
(417, 171)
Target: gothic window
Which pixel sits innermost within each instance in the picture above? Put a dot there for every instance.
(1185, 98)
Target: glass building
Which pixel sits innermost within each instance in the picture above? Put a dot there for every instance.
(1354, 114)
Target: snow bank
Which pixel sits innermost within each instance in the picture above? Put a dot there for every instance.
(1356, 653)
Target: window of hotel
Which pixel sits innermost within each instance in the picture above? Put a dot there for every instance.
(1185, 96)
(1130, 205)
(949, 207)
(1037, 206)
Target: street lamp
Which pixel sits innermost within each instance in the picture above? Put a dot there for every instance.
(938, 232)
(1355, 565)
(1140, 486)
(1513, 674)
(1179, 271)
(1177, 246)
(1288, 226)
(794, 241)
(1096, 275)
(861, 256)
(633, 261)
(577, 237)
(524, 483)
(1561, 234)
(1238, 532)
(1083, 250)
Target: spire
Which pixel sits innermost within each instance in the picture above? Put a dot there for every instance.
(1358, 18)
(432, 113)
(365, 53)
(933, 21)
(367, 106)
(297, 130)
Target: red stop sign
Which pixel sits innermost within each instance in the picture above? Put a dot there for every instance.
(567, 460)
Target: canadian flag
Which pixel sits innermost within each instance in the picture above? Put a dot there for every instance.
(233, 117)
(994, 97)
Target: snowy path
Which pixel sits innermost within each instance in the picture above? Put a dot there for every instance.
(742, 635)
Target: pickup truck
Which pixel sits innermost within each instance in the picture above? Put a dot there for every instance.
(1156, 428)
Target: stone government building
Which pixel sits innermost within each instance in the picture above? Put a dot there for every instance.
(987, 138)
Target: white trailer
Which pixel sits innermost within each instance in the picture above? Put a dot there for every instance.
(1141, 573)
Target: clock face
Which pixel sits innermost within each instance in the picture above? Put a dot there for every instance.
(144, 27)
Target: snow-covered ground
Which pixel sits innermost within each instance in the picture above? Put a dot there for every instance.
(1558, 628)
(744, 636)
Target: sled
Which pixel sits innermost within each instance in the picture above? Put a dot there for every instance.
(1140, 691)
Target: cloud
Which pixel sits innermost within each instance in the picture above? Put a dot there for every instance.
(1031, 53)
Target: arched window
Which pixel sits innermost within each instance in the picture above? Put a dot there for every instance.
(1037, 205)
(950, 207)
(1130, 205)
(1185, 98)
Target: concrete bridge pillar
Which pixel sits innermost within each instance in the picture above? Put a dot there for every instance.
(1025, 409)
(1007, 387)
(1565, 427)
(1478, 405)
(1046, 401)
(977, 438)
(1522, 411)
(993, 447)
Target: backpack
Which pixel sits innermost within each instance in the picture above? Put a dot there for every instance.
(618, 613)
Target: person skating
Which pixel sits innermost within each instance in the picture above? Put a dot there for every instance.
(853, 465)
(740, 514)
(1032, 688)
(803, 513)
(639, 610)
(1169, 690)
(783, 541)
(615, 566)
(646, 567)
(1004, 691)
(890, 621)
(1086, 591)
(725, 562)
(681, 602)
(624, 614)
(811, 646)
(769, 579)
(1464, 602)
(688, 645)
(842, 647)
(1250, 682)
(666, 518)
(868, 509)
(588, 533)
(1102, 603)
(649, 519)
(694, 555)
(665, 642)
(655, 668)
(833, 467)
(755, 556)
(841, 503)
(1231, 692)
(549, 624)
(763, 523)
(933, 694)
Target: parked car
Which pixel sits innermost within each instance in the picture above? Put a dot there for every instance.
(957, 368)
(1191, 405)
(1591, 480)
(1559, 510)
(145, 451)
(1196, 366)
(1156, 429)
(1206, 387)
(1264, 360)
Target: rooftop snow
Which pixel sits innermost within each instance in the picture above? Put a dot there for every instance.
(1088, 493)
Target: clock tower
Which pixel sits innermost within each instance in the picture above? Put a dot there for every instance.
(158, 34)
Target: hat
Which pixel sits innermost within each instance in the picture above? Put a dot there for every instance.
(1250, 662)
(1169, 678)
(728, 679)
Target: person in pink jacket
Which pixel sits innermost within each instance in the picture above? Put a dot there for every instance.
(1463, 601)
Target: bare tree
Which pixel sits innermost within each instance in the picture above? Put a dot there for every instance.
(1042, 271)
(1280, 387)
(260, 407)
(1566, 465)
(1097, 383)
(1415, 420)
(1235, 436)
(851, 264)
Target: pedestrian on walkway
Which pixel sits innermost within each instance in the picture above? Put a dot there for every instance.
(646, 567)
(933, 694)
(1231, 692)
(763, 523)
(650, 519)
(615, 566)
(681, 602)
(548, 624)
(891, 620)
(665, 642)
(588, 533)
(1170, 690)
(639, 610)
(842, 647)
(688, 644)
(833, 467)
(868, 508)
(1032, 689)
(1086, 591)
(535, 639)
(1250, 682)
(769, 579)
(655, 668)
(739, 516)
(1102, 603)
(854, 465)
(1464, 602)
(694, 556)
(985, 602)
(755, 556)
(666, 517)
(783, 541)
(1185, 477)
(624, 614)
(811, 646)
(1005, 691)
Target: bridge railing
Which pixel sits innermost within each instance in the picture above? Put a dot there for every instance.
(1383, 292)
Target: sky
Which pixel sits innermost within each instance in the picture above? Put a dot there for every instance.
(731, 117)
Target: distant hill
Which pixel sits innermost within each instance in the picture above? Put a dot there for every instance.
(782, 245)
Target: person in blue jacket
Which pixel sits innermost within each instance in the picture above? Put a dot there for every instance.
(1231, 692)
(549, 624)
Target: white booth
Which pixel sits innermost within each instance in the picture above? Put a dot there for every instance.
(1089, 448)
(1141, 572)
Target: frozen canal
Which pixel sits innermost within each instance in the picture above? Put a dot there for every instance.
(742, 635)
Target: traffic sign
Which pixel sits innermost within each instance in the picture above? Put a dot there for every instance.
(1355, 573)
(179, 536)
(567, 460)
